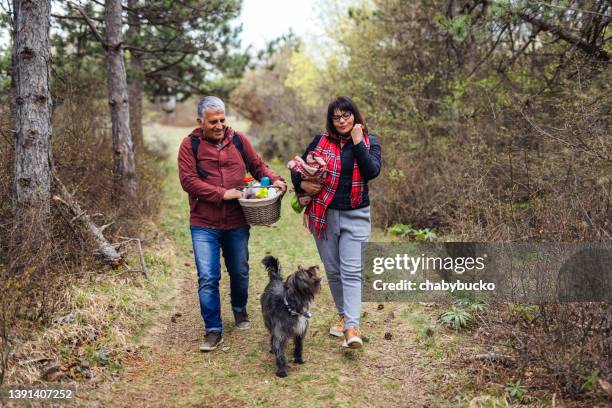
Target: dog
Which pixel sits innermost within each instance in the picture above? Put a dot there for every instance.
(286, 309)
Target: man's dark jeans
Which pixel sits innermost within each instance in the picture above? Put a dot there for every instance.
(208, 243)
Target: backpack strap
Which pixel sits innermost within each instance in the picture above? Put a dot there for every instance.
(195, 144)
(236, 140)
(238, 143)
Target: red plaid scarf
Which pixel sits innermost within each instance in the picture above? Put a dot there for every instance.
(315, 216)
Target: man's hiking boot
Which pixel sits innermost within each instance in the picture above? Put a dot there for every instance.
(242, 320)
(338, 329)
(211, 341)
(352, 337)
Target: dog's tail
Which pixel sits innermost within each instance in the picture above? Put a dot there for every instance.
(273, 268)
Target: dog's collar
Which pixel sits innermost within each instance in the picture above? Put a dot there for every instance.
(306, 313)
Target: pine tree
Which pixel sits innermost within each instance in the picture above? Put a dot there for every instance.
(32, 106)
(124, 166)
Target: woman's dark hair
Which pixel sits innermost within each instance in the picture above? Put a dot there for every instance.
(344, 104)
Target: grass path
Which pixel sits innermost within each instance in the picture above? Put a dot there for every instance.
(394, 371)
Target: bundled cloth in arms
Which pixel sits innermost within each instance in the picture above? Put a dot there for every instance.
(314, 168)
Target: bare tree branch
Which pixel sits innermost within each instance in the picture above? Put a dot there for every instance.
(168, 65)
(90, 23)
(486, 57)
(63, 17)
(590, 49)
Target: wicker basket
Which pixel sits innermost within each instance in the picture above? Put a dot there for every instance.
(261, 211)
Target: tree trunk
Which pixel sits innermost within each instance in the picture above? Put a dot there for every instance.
(124, 166)
(32, 104)
(136, 75)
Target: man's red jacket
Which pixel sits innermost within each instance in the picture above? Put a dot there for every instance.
(226, 170)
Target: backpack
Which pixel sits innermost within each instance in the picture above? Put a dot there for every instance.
(236, 140)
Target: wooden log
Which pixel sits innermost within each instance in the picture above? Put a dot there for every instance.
(493, 357)
(104, 248)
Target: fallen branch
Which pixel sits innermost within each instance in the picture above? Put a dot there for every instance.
(36, 361)
(493, 357)
(143, 265)
(105, 226)
(76, 216)
(105, 248)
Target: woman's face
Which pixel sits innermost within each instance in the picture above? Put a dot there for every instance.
(343, 121)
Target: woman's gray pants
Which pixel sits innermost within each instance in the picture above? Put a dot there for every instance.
(341, 254)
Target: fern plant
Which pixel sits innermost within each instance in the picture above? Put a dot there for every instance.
(456, 318)
(471, 304)
(516, 390)
(406, 231)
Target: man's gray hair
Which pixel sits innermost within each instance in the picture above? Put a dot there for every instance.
(210, 102)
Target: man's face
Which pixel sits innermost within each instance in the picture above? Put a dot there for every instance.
(213, 125)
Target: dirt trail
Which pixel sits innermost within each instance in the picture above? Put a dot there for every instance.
(170, 371)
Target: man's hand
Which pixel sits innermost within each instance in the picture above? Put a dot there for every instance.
(357, 134)
(232, 194)
(310, 187)
(281, 184)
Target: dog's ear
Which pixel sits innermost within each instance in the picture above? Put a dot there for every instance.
(314, 272)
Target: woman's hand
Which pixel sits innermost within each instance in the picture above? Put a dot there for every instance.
(310, 187)
(357, 133)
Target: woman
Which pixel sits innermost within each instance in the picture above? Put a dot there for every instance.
(339, 214)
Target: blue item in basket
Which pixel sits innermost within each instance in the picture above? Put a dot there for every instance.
(265, 181)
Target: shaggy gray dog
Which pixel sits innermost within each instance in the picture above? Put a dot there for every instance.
(286, 309)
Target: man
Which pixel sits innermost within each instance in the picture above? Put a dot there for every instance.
(216, 219)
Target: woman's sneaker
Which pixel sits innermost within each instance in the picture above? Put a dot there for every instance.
(338, 329)
(352, 337)
(211, 341)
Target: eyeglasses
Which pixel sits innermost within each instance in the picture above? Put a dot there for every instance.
(345, 116)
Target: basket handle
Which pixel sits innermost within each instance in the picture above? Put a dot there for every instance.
(245, 187)
(282, 193)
